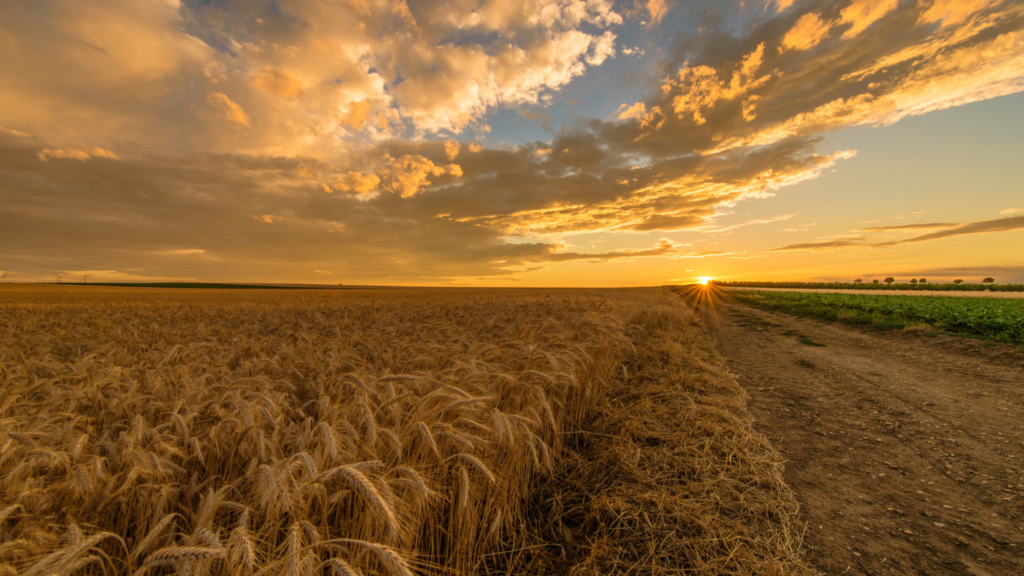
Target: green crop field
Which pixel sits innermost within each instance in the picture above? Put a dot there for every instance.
(994, 318)
(944, 287)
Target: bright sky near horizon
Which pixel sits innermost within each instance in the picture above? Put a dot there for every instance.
(511, 142)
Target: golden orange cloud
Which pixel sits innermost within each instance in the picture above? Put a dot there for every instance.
(657, 9)
(699, 87)
(357, 182)
(76, 154)
(279, 83)
(864, 13)
(451, 149)
(410, 173)
(805, 33)
(231, 111)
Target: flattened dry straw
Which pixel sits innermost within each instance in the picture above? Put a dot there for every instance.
(264, 437)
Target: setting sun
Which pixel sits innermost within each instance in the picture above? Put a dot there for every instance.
(704, 279)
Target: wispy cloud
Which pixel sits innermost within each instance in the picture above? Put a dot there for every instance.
(922, 226)
(947, 231)
(663, 248)
(983, 227)
(779, 218)
(824, 244)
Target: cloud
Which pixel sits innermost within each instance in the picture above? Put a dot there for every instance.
(451, 149)
(668, 222)
(542, 117)
(410, 173)
(280, 83)
(983, 227)
(951, 12)
(808, 30)
(357, 182)
(921, 226)
(231, 111)
(118, 70)
(449, 87)
(699, 87)
(779, 218)
(657, 10)
(47, 154)
(1011, 211)
(75, 154)
(664, 247)
(14, 133)
(863, 13)
(948, 231)
(823, 244)
(180, 252)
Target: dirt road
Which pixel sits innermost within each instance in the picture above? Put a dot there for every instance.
(906, 453)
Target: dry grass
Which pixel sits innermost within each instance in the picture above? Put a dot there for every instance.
(670, 477)
(372, 433)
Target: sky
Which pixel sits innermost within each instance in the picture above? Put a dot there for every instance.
(511, 143)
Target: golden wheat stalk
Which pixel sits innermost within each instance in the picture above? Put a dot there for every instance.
(175, 555)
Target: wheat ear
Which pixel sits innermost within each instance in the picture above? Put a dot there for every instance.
(177, 554)
(480, 466)
(342, 568)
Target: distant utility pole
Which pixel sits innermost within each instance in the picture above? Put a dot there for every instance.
(59, 276)
(85, 278)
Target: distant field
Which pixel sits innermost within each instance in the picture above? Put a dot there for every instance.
(314, 432)
(880, 286)
(914, 293)
(995, 318)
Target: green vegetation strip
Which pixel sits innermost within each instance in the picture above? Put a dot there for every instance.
(870, 286)
(995, 318)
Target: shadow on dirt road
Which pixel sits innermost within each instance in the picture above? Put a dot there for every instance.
(906, 455)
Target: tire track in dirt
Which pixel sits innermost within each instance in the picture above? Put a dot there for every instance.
(906, 456)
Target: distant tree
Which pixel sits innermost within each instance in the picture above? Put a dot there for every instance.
(989, 281)
(923, 280)
(889, 280)
(874, 281)
(913, 280)
(857, 281)
(958, 281)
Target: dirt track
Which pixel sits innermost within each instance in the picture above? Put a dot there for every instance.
(906, 453)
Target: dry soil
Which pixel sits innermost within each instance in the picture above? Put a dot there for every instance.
(905, 451)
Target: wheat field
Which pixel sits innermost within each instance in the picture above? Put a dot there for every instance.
(373, 433)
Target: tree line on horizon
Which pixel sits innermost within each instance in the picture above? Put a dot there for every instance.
(888, 283)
